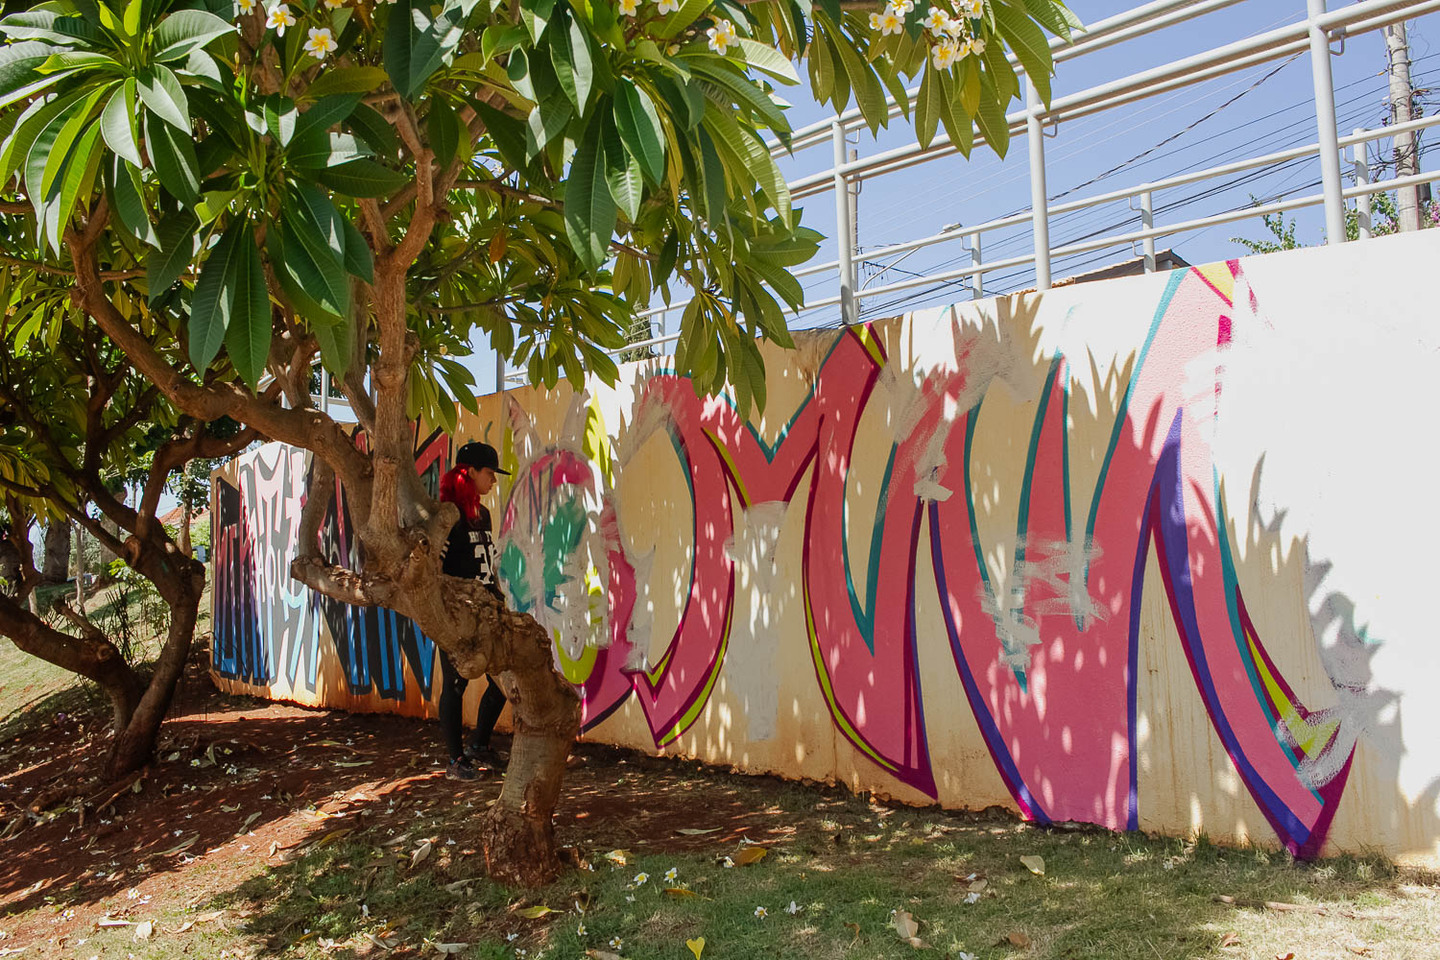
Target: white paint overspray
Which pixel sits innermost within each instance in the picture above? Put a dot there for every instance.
(1046, 579)
(750, 661)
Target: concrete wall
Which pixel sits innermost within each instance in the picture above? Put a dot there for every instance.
(1149, 553)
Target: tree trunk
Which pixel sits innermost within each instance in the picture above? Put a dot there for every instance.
(57, 552)
(134, 745)
(92, 656)
(185, 527)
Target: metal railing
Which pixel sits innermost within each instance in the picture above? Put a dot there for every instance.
(1314, 34)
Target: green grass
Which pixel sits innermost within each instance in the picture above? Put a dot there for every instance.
(847, 867)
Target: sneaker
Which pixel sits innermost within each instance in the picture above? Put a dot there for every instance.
(461, 769)
(483, 754)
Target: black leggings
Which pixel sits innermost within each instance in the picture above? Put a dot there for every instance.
(452, 696)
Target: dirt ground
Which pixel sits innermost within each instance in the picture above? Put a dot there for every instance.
(243, 783)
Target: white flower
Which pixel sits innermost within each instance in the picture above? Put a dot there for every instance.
(972, 898)
(891, 22)
(628, 7)
(671, 875)
(334, 4)
(977, 46)
(280, 18)
(761, 913)
(945, 54)
(580, 930)
(970, 8)
(668, 6)
(874, 21)
(793, 909)
(245, 6)
(727, 863)
(936, 20)
(320, 43)
(901, 7)
(511, 937)
(722, 35)
(616, 943)
(641, 878)
(630, 898)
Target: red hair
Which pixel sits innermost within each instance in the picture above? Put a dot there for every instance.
(456, 487)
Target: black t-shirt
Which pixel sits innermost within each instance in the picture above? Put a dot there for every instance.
(471, 551)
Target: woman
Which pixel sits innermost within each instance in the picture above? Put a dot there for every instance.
(470, 553)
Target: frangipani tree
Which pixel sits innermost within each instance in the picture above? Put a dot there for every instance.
(379, 184)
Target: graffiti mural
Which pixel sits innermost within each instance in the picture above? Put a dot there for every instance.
(267, 625)
(969, 533)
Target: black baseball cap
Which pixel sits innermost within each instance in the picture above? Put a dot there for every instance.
(479, 456)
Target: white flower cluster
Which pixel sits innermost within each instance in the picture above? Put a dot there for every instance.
(952, 36)
(321, 42)
(630, 8)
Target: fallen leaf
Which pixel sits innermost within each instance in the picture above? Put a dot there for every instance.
(366, 763)
(697, 946)
(1361, 950)
(535, 912)
(1230, 940)
(332, 836)
(682, 893)
(245, 827)
(697, 832)
(274, 847)
(182, 845)
(602, 955)
(1288, 956)
(448, 948)
(751, 855)
(616, 857)
(420, 853)
(978, 885)
(905, 925)
(114, 922)
(855, 929)
(144, 930)
(396, 841)
(229, 808)
(385, 943)
(1016, 939)
(459, 885)
(1035, 865)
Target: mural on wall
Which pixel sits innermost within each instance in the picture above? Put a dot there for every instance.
(267, 624)
(1044, 633)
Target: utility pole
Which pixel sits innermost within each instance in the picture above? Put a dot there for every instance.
(1407, 158)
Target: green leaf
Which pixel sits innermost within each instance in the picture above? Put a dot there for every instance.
(767, 59)
(545, 122)
(640, 130)
(325, 113)
(928, 105)
(507, 133)
(991, 118)
(174, 159)
(1002, 75)
(500, 38)
(676, 22)
(35, 118)
(362, 178)
(1054, 16)
(129, 203)
(570, 55)
(417, 42)
(19, 77)
(367, 124)
(79, 179)
(358, 259)
(622, 172)
(959, 126)
(713, 174)
(754, 154)
(161, 92)
(444, 128)
(214, 299)
(49, 26)
(319, 228)
(589, 209)
(869, 95)
(185, 31)
(75, 120)
(1030, 46)
(176, 236)
(312, 144)
(340, 80)
(247, 339)
(117, 123)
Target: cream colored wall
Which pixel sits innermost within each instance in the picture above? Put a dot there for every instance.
(1297, 389)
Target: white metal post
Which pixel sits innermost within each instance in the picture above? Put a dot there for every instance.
(1325, 123)
(499, 372)
(1039, 213)
(843, 225)
(1147, 222)
(977, 284)
(1361, 152)
(324, 389)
